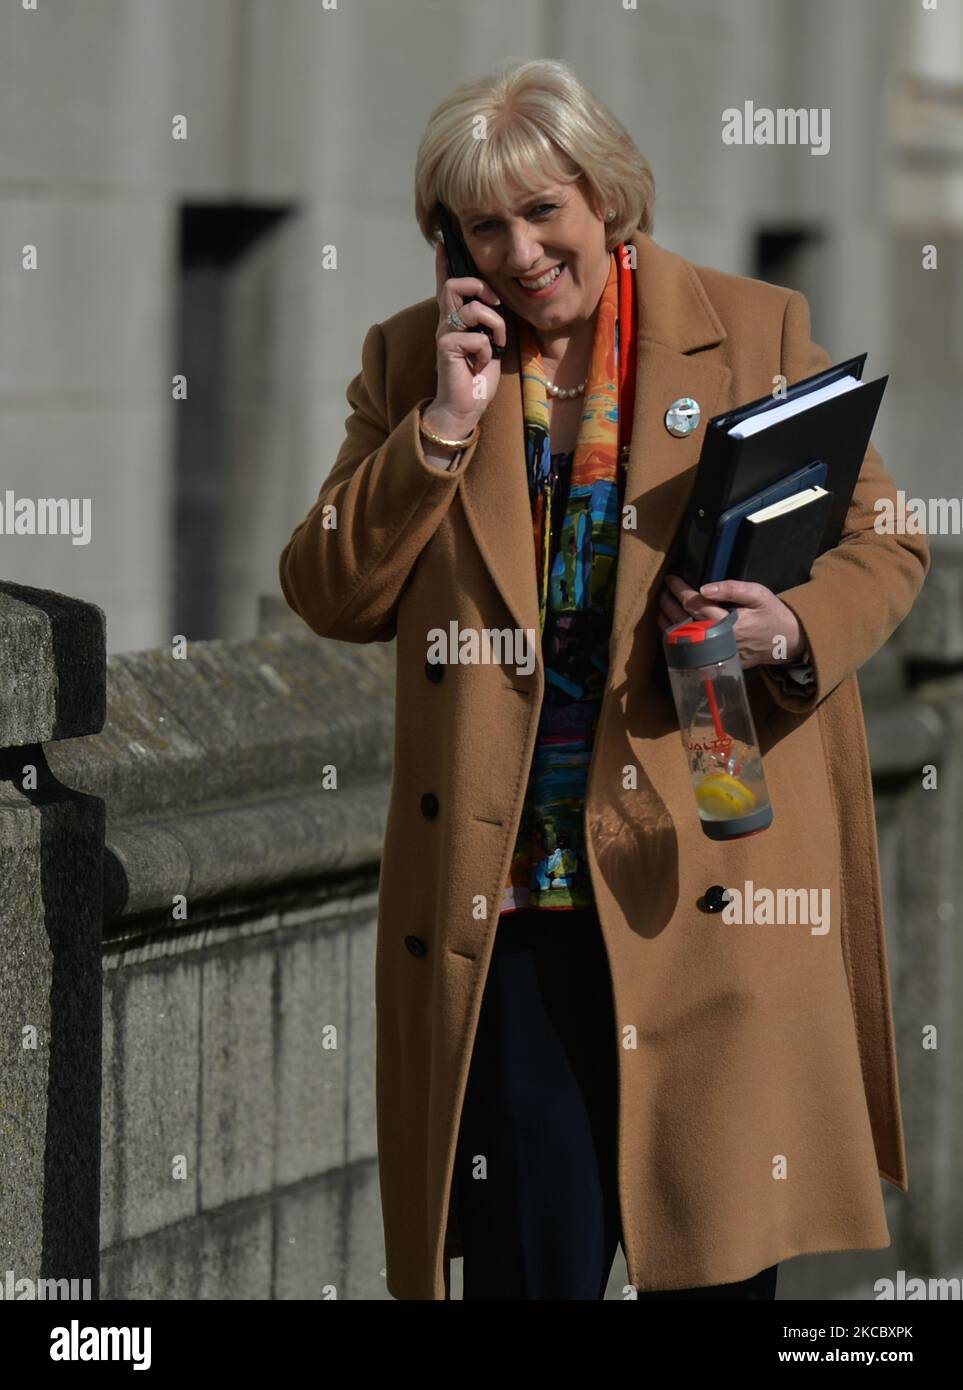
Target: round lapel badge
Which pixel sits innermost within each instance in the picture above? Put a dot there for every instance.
(682, 417)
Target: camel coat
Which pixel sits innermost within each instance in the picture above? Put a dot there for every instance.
(758, 1090)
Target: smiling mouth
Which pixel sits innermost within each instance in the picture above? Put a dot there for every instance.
(542, 281)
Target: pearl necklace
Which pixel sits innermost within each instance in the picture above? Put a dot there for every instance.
(562, 393)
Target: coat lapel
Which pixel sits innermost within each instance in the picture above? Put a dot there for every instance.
(676, 319)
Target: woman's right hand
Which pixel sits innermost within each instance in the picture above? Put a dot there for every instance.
(464, 356)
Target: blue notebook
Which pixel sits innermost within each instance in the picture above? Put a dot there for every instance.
(727, 527)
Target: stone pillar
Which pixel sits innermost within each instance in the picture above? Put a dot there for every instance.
(52, 686)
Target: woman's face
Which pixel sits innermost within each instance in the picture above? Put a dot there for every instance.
(553, 226)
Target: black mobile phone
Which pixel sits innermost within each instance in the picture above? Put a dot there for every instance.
(460, 263)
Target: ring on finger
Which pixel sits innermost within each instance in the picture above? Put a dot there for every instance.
(456, 320)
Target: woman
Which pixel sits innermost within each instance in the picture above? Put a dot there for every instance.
(574, 1048)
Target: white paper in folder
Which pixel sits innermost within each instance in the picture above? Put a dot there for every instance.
(785, 409)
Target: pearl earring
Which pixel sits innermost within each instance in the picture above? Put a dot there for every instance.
(610, 214)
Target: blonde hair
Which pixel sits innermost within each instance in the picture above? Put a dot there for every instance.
(535, 119)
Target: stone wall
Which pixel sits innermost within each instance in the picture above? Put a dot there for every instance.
(190, 852)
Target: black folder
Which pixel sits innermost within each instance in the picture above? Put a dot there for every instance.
(733, 470)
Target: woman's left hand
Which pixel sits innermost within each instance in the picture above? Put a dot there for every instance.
(762, 617)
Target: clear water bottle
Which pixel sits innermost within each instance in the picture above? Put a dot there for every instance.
(709, 690)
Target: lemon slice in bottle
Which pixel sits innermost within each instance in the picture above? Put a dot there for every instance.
(722, 795)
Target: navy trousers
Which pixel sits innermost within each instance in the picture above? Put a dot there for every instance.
(534, 1186)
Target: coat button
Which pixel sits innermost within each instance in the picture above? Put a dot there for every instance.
(429, 805)
(714, 899)
(416, 946)
(435, 671)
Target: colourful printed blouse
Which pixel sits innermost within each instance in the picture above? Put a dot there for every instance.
(549, 869)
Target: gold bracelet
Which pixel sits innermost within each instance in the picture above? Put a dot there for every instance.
(448, 443)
